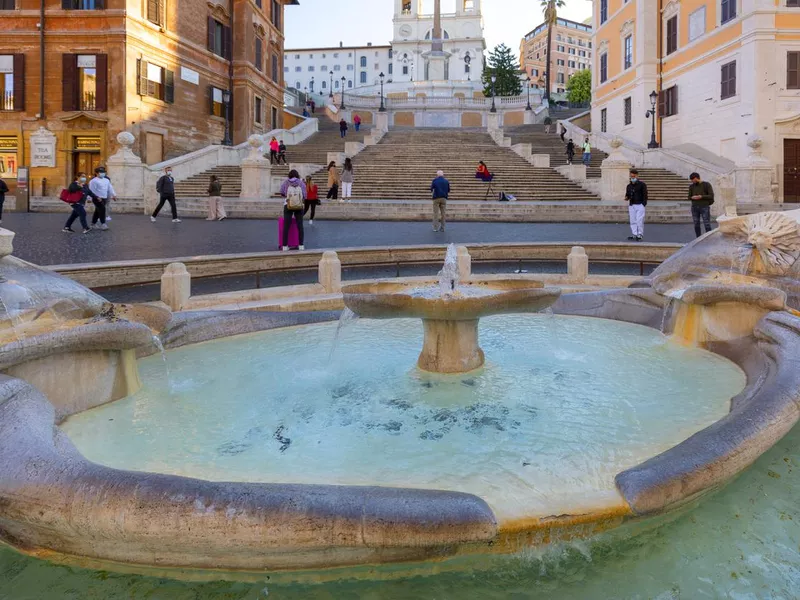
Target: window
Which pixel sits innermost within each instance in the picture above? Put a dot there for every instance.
(335, 55)
(405, 69)
(560, 62)
(297, 57)
(350, 67)
(275, 13)
(310, 56)
(297, 85)
(727, 10)
(217, 107)
(87, 82)
(258, 110)
(324, 68)
(603, 11)
(582, 53)
(7, 5)
(154, 81)
(571, 51)
(82, 4)
(298, 69)
(793, 70)
(12, 82)
(603, 121)
(219, 38)
(285, 69)
(363, 61)
(337, 67)
(363, 76)
(560, 78)
(628, 60)
(571, 64)
(349, 83)
(274, 118)
(793, 3)
(336, 84)
(258, 3)
(668, 102)
(697, 23)
(390, 68)
(275, 69)
(728, 80)
(154, 11)
(311, 68)
(672, 34)
(259, 53)
(84, 82)
(559, 48)
(627, 111)
(324, 55)
(324, 85)
(603, 67)
(349, 55)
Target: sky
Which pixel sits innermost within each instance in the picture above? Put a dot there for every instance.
(318, 23)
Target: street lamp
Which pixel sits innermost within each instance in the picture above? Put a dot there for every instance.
(494, 80)
(331, 94)
(528, 82)
(341, 106)
(651, 114)
(226, 100)
(383, 107)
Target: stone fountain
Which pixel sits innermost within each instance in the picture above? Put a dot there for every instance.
(450, 311)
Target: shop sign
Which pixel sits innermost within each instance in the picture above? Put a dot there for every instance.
(87, 143)
(43, 148)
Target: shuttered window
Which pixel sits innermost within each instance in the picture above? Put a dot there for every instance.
(154, 11)
(603, 67)
(603, 120)
(7, 4)
(672, 34)
(155, 81)
(793, 70)
(627, 111)
(276, 76)
(668, 102)
(83, 4)
(727, 10)
(12, 82)
(259, 54)
(628, 62)
(603, 11)
(219, 38)
(728, 80)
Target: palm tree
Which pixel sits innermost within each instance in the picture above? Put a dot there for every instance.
(550, 8)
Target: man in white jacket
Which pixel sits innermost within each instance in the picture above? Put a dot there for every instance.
(103, 190)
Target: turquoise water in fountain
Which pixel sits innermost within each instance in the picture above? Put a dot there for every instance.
(742, 543)
(563, 405)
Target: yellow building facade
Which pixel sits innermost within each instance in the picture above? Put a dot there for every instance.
(571, 48)
(726, 74)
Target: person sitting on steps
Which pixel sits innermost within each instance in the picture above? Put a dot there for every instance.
(483, 173)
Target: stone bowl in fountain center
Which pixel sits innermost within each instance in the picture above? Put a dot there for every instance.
(467, 302)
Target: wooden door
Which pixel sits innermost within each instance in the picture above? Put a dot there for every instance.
(154, 143)
(791, 170)
(85, 162)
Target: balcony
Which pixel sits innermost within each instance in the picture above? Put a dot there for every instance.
(7, 101)
(88, 101)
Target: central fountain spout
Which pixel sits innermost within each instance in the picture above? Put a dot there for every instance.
(450, 311)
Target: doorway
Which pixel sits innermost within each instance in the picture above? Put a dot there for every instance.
(85, 155)
(791, 170)
(154, 144)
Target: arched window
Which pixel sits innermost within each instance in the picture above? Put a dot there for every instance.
(445, 34)
(364, 61)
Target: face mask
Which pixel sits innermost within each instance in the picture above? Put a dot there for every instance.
(169, 173)
(101, 175)
(82, 179)
(633, 179)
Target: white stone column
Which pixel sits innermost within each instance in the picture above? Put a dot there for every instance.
(382, 121)
(6, 242)
(256, 172)
(754, 176)
(464, 263)
(126, 169)
(493, 121)
(573, 172)
(578, 264)
(176, 286)
(330, 272)
(614, 174)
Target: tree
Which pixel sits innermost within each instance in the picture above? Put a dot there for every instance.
(550, 8)
(579, 87)
(504, 65)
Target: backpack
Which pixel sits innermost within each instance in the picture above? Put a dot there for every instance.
(706, 186)
(70, 198)
(294, 198)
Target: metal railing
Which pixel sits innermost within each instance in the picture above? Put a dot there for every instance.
(374, 101)
(7, 101)
(88, 101)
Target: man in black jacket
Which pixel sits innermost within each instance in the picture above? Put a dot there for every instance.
(3, 190)
(165, 186)
(636, 195)
(702, 196)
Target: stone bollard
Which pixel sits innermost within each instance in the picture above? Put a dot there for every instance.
(614, 174)
(330, 272)
(176, 286)
(382, 121)
(464, 263)
(578, 264)
(6, 242)
(256, 172)
(541, 161)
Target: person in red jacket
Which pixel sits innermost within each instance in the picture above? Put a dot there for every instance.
(273, 150)
(312, 199)
(483, 173)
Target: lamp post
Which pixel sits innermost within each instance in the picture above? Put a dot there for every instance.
(494, 80)
(226, 100)
(383, 106)
(311, 86)
(467, 60)
(651, 114)
(528, 85)
(341, 106)
(331, 94)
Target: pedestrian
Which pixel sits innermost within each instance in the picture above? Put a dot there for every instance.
(3, 190)
(273, 150)
(294, 190)
(440, 190)
(357, 122)
(108, 203)
(347, 180)
(563, 132)
(78, 186)
(333, 182)
(216, 211)
(636, 195)
(165, 186)
(305, 112)
(313, 107)
(547, 122)
(587, 152)
(570, 151)
(102, 193)
(312, 199)
(343, 128)
(282, 153)
(702, 196)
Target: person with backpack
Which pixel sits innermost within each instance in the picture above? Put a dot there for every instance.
(294, 190)
(216, 211)
(636, 195)
(343, 128)
(347, 180)
(333, 182)
(75, 196)
(102, 193)
(165, 186)
(570, 151)
(312, 199)
(3, 190)
(587, 152)
(702, 196)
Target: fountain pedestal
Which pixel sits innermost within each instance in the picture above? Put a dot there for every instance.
(450, 346)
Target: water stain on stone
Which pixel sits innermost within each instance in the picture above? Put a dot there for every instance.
(284, 441)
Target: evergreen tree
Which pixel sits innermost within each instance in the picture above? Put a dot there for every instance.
(502, 63)
(579, 87)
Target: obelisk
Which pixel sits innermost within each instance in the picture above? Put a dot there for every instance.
(437, 58)
(436, 37)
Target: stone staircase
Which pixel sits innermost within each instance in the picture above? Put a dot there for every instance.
(403, 164)
(662, 184)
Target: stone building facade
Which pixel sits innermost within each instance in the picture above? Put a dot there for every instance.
(726, 75)
(318, 70)
(572, 52)
(156, 68)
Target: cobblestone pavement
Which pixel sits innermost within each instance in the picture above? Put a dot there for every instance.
(40, 240)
